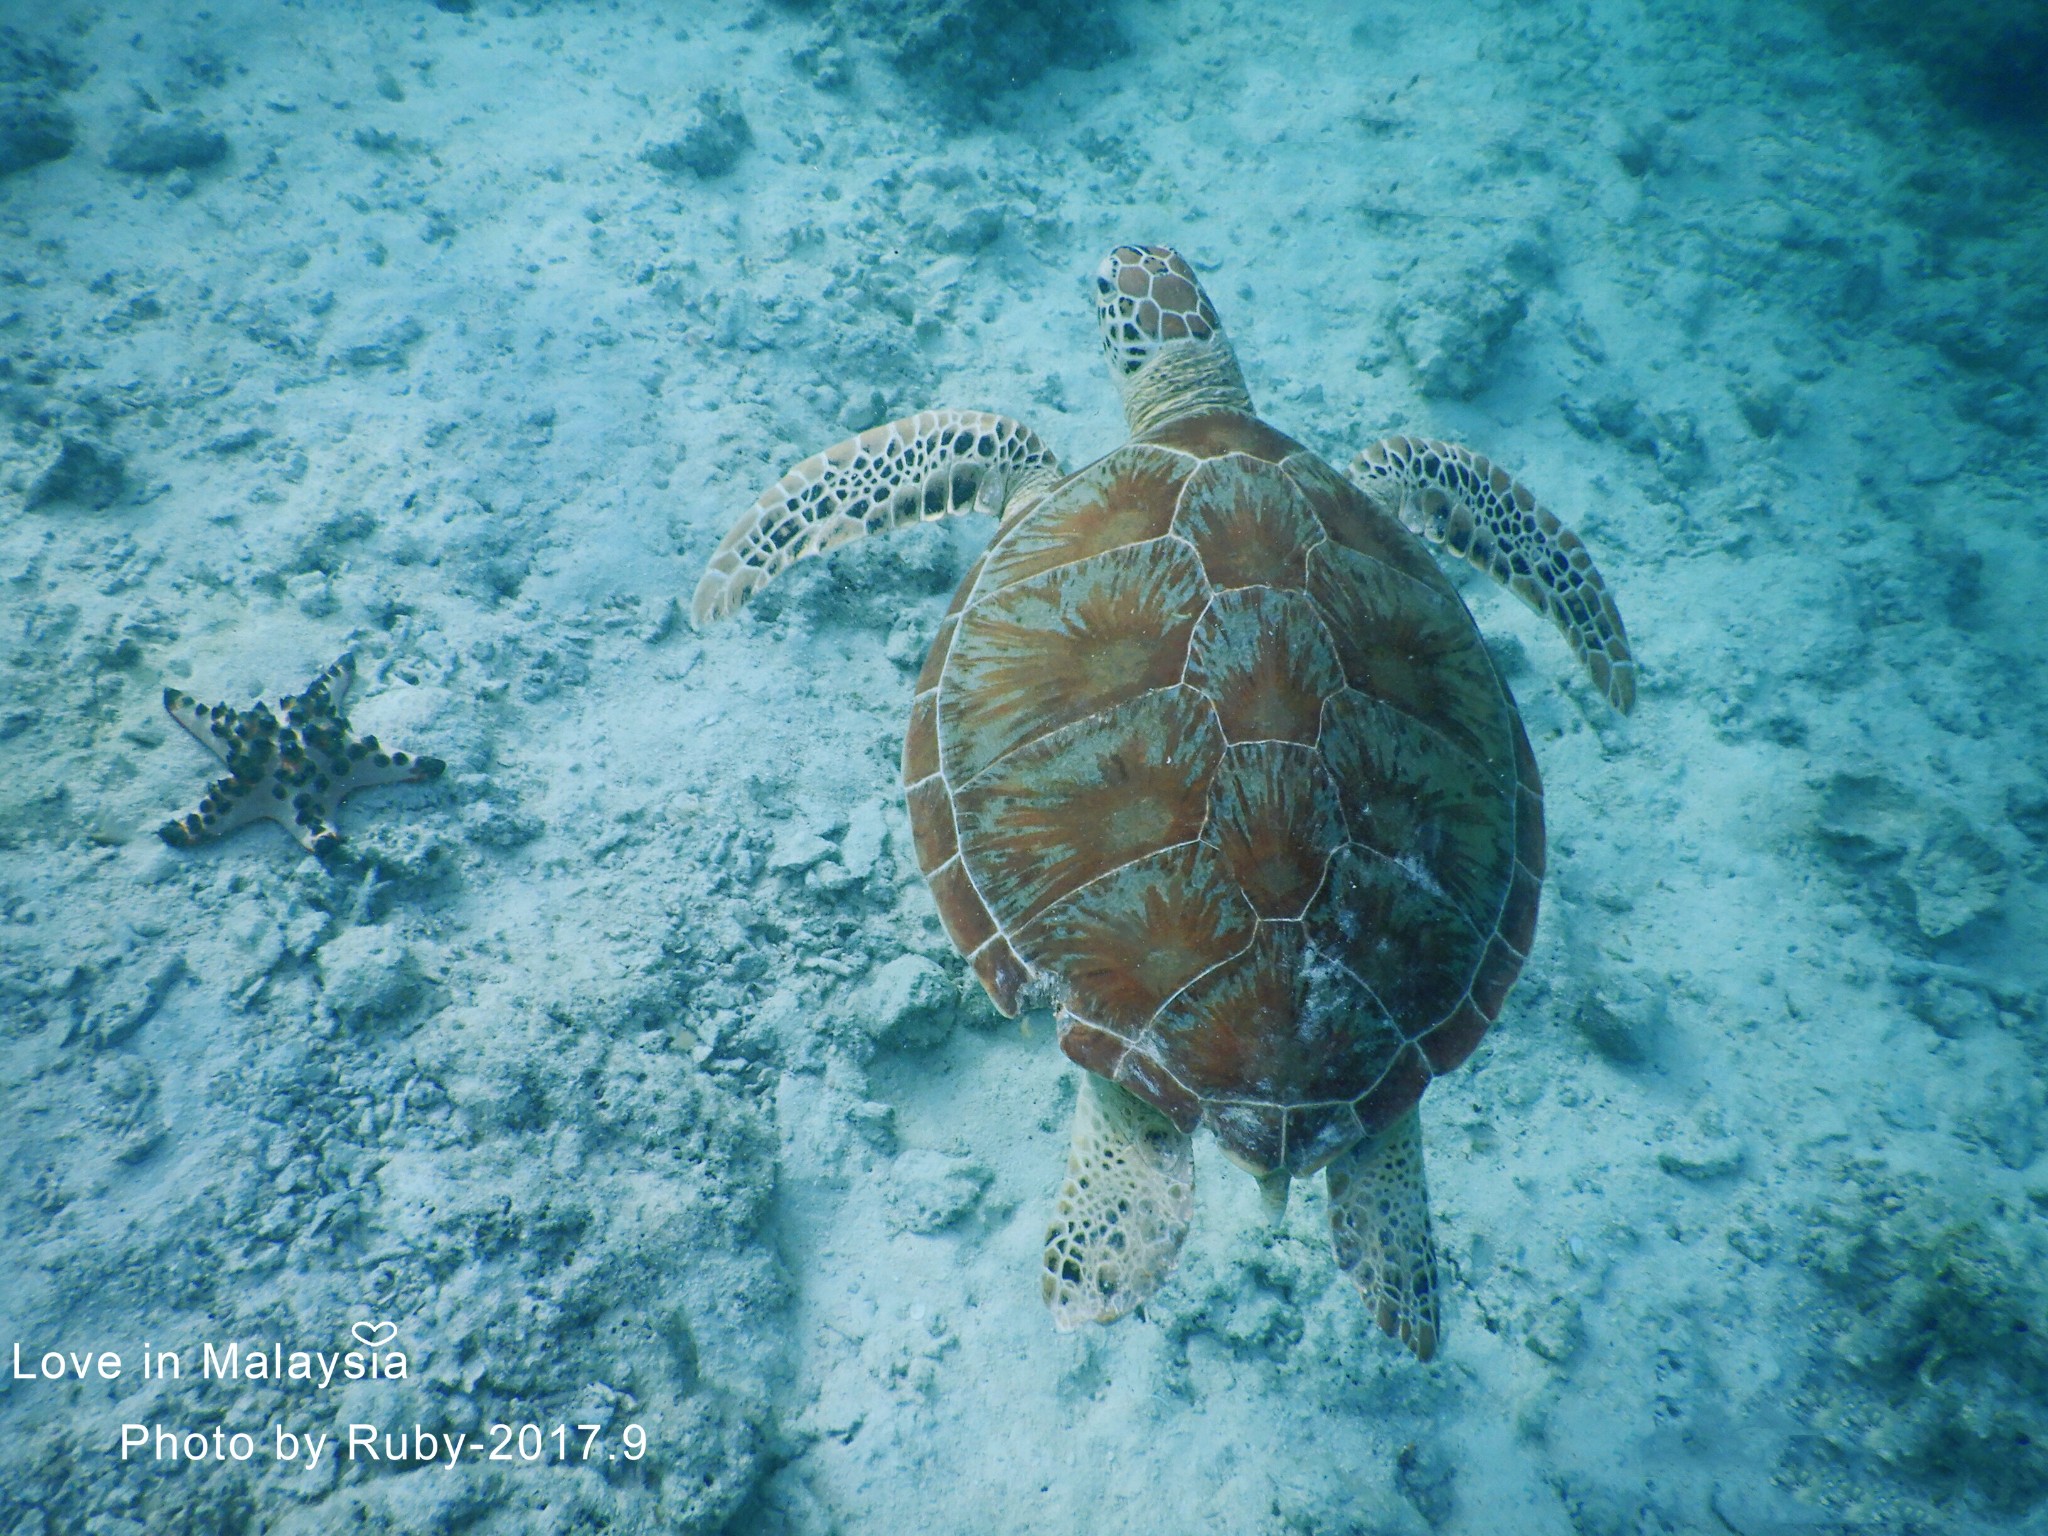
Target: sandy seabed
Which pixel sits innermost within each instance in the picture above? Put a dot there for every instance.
(623, 1077)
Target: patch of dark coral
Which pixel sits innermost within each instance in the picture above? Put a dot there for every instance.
(712, 139)
(83, 474)
(1935, 1365)
(967, 54)
(1986, 58)
(157, 145)
(34, 126)
(25, 63)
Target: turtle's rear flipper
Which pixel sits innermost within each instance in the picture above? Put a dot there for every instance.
(1450, 495)
(921, 468)
(1123, 1210)
(1379, 1218)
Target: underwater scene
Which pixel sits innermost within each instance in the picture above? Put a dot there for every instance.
(1389, 877)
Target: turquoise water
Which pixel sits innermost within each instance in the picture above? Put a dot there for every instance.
(614, 1101)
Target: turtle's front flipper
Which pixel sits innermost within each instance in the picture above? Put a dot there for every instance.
(1450, 495)
(1123, 1211)
(1379, 1219)
(922, 468)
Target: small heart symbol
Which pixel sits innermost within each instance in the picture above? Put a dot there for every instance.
(375, 1335)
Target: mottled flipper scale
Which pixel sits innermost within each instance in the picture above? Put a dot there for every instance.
(1379, 1221)
(1450, 495)
(922, 468)
(1123, 1211)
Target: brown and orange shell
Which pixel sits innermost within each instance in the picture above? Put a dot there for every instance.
(1209, 752)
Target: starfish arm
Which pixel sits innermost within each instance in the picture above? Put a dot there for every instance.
(227, 804)
(327, 692)
(198, 720)
(374, 765)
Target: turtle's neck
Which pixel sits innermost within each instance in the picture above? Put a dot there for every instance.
(1184, 379)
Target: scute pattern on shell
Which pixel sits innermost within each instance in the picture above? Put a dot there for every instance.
(1210, 752)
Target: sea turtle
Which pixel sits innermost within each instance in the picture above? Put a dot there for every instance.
(1209, 757)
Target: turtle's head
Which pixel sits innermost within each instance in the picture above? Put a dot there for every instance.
(1166, 347)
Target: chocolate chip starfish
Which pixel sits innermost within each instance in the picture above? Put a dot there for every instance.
(294, 771)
